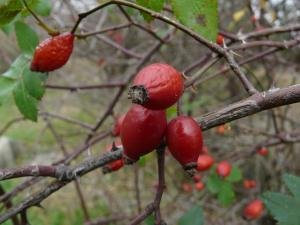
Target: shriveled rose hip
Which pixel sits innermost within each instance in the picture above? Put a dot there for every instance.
(157, 86)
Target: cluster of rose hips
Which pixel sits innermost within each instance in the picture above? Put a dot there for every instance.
(144, 127)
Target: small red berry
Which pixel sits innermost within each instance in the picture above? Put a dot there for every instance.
(142, 131)
(114, 165)
(157, 86)
(253, 209)
(263, 151)
(197, 178)
(52, 53)
(199, 186)
(220, 39)
(204, 162)
(223, 168)
(187, 187)
(184, 139)
(248, 184)
(117, 126)
(221, 129)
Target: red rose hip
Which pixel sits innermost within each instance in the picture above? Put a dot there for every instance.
(117, 126)
(197, 178)
(220, 39)
(223, 168)
(253, 210)
(263, 151)
(199, 186)
(248, 184)
(187, 187)
(113, 166)
(142, 131)
(184, 139)
(52, 53)
(157, 86)
(204, 162)
(116, 164)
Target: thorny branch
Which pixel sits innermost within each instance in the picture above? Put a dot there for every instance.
(65, 174)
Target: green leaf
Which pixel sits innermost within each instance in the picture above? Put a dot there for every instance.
(33, 83)
(172, 112)
(8, 28)
(235, 175)
(155, 5)
(42, 7)
(9, 9)
(214, 183)
(26, 37)
(199, 15)
(7, 86)
(293, 183)
(142, 161)
(26, 104)
(226, 194)
(26, 86)
(284, 208)
(192, 217)
(17, 67)
(149, 220)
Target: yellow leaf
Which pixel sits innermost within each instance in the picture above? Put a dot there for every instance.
(238, 15)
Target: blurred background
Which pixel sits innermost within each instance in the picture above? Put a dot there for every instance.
(110, 57)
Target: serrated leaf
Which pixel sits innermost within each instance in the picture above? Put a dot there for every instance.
(155, 5)
(17, 67)
(26, 104)
(284, 208)
(26, 37)
(226, 194)
(214, 183)
(33, 83)
(199, 15)
(192, 217)
(7, 86)
(235, 175)
(293, 183)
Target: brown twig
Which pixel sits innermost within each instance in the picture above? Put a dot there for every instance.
(105, 30)
(8, 204)
(155, 205)
(84, 87)
(64, 174)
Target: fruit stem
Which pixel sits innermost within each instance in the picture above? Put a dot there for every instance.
(50, 31)
(138, 94)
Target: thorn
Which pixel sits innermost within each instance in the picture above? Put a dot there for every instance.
(185, 76)
(234, 53)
